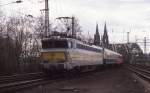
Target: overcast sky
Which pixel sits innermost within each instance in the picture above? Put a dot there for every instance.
(121, 16)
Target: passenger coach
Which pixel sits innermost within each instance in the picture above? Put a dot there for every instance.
(111, 57)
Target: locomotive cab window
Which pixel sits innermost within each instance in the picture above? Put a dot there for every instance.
(54, 44)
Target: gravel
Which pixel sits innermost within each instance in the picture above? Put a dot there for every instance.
(114, 80)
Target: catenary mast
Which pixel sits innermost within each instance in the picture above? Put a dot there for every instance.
(46, 18)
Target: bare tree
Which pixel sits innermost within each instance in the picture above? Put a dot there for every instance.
(40, 27)
(16, 37)
(67, 26)
(77, 27)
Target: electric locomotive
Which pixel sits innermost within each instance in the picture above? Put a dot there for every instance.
(68, 54)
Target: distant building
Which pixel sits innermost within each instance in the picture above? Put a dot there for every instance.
(105, 40)
(97, 37)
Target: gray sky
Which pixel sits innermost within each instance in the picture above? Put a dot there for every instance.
(121, 16)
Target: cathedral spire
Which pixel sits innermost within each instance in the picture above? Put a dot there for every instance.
(97, 36)
(97, 29)
(105, 31)
(105, 37)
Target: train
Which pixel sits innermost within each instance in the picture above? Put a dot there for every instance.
(69, 54)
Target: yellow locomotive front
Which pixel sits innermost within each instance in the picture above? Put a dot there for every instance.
(54, 54)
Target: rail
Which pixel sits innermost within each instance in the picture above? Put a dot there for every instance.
(20, 77)
(140, 71)
(14, 82)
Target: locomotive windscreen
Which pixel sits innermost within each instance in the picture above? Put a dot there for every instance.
(54, 44)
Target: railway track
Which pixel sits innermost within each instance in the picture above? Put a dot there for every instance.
(15, 82)
(11, 87)
(140, 71)
(143, 66)
(21, 77)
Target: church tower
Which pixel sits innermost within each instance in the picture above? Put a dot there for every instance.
(105, 40)
(97, 37)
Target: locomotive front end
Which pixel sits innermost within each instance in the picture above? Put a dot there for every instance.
(54, 55)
